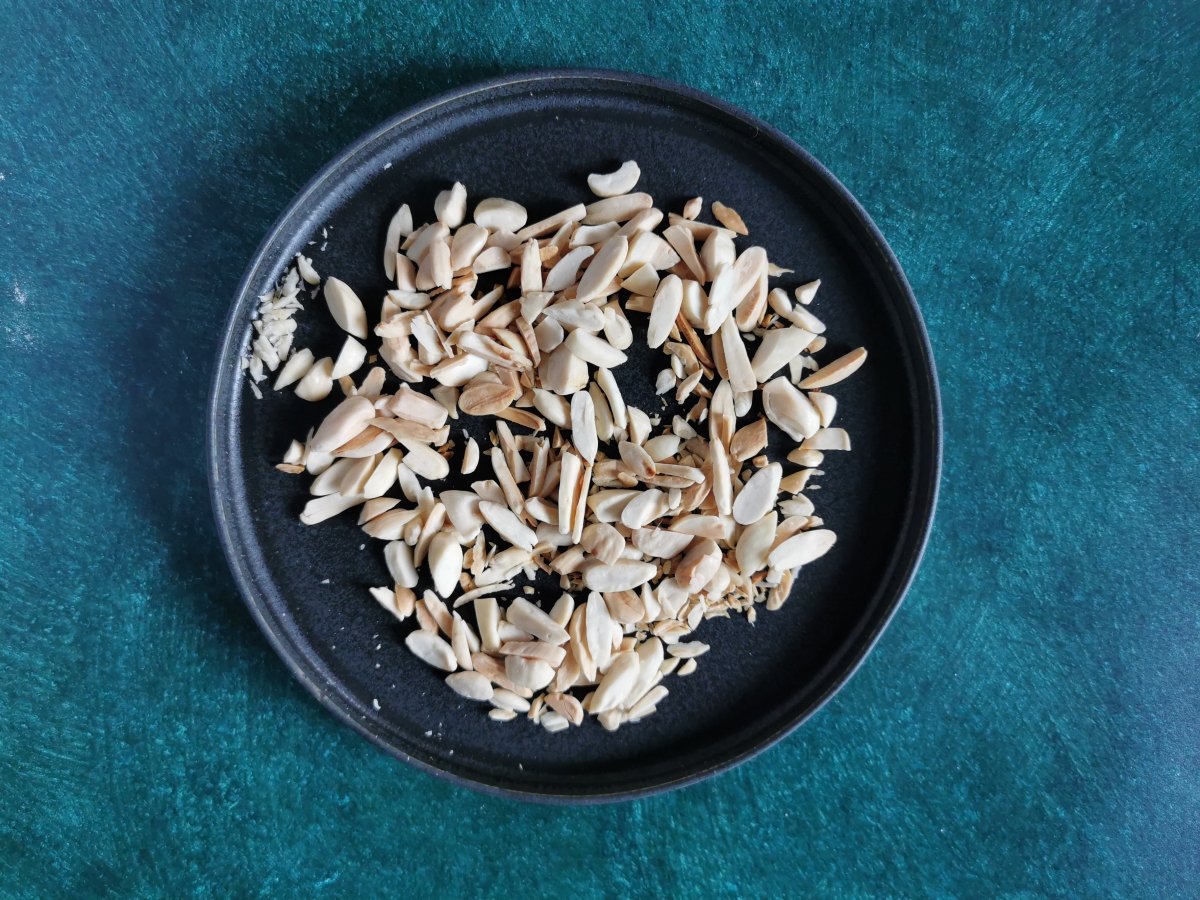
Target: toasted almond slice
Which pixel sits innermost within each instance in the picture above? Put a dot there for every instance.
(616, 209)
(450, 207)
(692, 208)
(729, 218)
(777, 348)
(802, 548)
(497, 214)
(790, 409)
(431, 649)
(615, 183)
(682, 242)
(471, 685)
(841, 368)
(757, 495)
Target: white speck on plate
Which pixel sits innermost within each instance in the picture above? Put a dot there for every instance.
(324, 581)
(375, 703)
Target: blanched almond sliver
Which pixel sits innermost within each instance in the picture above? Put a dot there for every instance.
(840, 368)
(622, 181)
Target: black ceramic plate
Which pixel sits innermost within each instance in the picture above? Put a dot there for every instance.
(535, 138)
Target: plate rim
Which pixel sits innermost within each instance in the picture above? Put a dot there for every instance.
(923, 505)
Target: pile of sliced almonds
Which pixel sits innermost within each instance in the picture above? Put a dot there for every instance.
(649, 526)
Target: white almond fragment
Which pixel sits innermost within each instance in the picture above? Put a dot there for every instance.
(399, 227)
(533, 619)
(345, 421)
(699, 565)
(826, 406)
(758, 495)
(790, 409)
(841, 368)
(742, 376)
(345, 307)
(471, 685)
(533, 674)
(507, 525)
(624, 575)
(615, 686)
(612, 184)
(828, 439)
(660, 543)
(445, 562)
(566, 270)
(806, 293)
(688, 650)
(616, 209)
(802, 548)
(450, 207)
(603, 268)
(425, 461)
(294, 369)
(317, 382)
(321, 508)
(594, 350)
(349, 359)
(497, 214)
(755, 543)
(644, 509)
(667, 302)
(583, 423)
(729, 218)
(399, 558)
(777, 348)
(431, 649)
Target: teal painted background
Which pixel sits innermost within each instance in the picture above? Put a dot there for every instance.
(1029, 724)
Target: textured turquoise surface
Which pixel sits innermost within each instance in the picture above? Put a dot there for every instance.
(1029, 724)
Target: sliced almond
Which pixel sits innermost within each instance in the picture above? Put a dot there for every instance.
(644, 509)
(471, 685)
(748, 440)
(400, 226)
(616, 209)
(758, 495)
(661, 543)
(604, 267)
(827, 439)
(615, 686)
(622, 181)
(624, 575)
(802, 548)
(729, 218)
(507, 525)
(345, 307)
(296, 367)
(566, 270)
(431, 649)
(699, 565)
(603, 542)
(790, 409)
(497, 214)
(534, 620)
(583, 424)
(841, 368)
(777, 348)
(317, 382)
(755, 544)
(682, 242)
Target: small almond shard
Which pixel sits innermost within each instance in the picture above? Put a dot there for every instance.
(841, 368)
(801, 549)
(431, 649)
(345, 307)
(729, 218)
